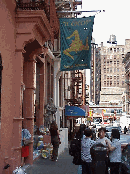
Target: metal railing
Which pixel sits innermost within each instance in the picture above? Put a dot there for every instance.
(34, 6)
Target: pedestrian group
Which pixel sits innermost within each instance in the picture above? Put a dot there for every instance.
(98, 155)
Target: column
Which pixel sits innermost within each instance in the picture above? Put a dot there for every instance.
(28, 102)
(41, 112)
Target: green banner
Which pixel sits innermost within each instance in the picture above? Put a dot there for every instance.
(75, 37)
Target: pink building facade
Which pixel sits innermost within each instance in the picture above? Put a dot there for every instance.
(23, 34)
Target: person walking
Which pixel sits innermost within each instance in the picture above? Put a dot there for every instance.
(54, 140)
(125, 130)
(115, 152)
(86, 145)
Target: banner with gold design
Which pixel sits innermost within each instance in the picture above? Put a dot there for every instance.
(75, 37)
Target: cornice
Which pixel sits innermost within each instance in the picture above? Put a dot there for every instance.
(37, 17)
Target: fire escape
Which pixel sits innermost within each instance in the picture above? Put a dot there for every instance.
(76, 88)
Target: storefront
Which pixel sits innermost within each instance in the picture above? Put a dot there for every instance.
(71, 114)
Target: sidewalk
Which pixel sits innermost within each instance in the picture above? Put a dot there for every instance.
(64, 165)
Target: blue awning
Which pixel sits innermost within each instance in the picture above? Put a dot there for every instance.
(74, 111)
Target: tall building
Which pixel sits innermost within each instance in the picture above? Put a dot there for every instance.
(112, 73)
(126, 62)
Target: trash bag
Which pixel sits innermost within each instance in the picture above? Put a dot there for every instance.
(19, 170)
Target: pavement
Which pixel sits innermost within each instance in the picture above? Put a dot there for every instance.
(64, 165)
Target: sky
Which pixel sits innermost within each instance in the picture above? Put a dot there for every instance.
(115, 20)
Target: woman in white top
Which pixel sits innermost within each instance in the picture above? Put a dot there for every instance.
(115, 151)
(102, 139)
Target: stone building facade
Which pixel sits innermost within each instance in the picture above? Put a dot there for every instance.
(27, 69)
(112, 73)
(126, 62)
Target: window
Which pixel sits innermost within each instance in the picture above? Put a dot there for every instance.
(117, 83)
(114, 56)
(104, 83)
(111, 70)
(104, 76)
(114, 83)
(114, 62)
(117, 49)
(104, 70)
(107, 83)
(110, 49)
(114, 69)
(110, 76)
(114, 77)
(107, 70)
(117, 77)
(114, 49)
(110, 83)
(118, 62)
(110, 62)
(117, 69)
(123, 50)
